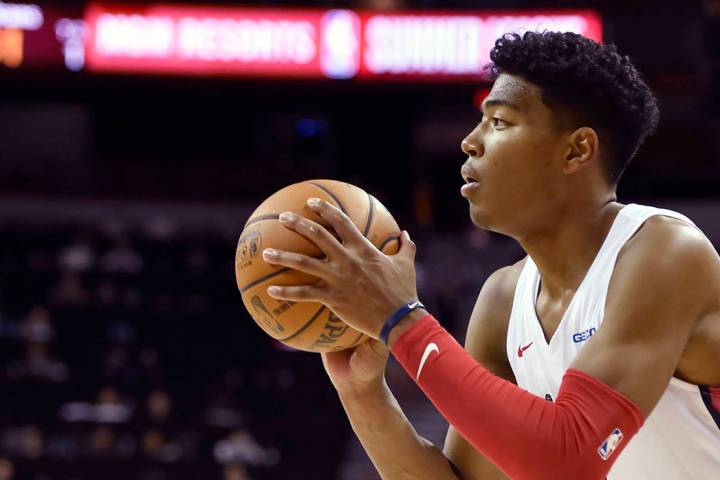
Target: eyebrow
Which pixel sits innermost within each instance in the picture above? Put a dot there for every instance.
(494, 102)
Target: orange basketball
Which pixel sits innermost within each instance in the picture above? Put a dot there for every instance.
(306, 326)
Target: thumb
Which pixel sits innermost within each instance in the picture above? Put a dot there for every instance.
(407, 246)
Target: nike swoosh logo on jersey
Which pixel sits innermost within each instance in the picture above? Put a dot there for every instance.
(413, 305)
(431, 347)
(521, 350)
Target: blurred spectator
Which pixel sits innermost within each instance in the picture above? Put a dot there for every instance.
(155, 445)
(25, 442)
(101, 441)
(39, 365)
(235, 472)
(69, 292)
(104, 442)
(159, 406)
(240, 446)
(7, 469)
(110, 408)
(37, 327)
(121, 258)
(79, 256)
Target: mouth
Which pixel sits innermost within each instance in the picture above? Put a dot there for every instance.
(467, 175)
(471, 181)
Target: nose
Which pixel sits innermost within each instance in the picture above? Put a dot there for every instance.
(471, 147)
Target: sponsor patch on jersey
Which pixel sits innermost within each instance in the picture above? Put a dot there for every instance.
(610, 444)
(584, 335)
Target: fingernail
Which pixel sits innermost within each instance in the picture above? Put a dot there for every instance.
(273, 290)
(288, 217)
(313, 202)
(270, 254)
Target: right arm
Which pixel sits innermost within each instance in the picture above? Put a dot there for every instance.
(391, 442)
(485, 341)
(393, 445)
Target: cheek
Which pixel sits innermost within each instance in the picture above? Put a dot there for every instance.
(518, 168)
(508, 158)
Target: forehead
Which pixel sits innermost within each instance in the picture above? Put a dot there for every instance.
(517, 91)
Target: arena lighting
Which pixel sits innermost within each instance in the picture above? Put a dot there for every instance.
(15, 19)
(36, 38)
(334, 44)
(20, 16)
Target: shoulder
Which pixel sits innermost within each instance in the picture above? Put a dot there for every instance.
(487, 329)
(668, 231)
(496, 296)
(666, 261)
(670, 248)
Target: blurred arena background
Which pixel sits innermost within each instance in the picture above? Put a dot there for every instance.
(136, 138)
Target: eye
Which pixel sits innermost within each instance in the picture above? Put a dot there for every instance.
(498, 122)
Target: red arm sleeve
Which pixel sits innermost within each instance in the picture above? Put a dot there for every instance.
(579, 436)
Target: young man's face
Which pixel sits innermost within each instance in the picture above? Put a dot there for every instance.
(516, 156)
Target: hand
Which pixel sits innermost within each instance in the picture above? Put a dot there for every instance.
(358, 282)
(358, 370)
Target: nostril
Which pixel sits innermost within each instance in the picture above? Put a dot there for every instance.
(470, 149)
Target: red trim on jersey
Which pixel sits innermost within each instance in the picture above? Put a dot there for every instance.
(711, 398)
(715, 397)
(578, 436)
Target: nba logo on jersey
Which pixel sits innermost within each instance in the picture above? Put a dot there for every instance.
(610, 444)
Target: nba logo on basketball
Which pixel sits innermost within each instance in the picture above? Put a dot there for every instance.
(610, 444)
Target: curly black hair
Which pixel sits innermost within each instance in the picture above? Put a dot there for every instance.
(591, 82)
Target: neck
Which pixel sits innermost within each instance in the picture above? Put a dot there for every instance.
(564, 253)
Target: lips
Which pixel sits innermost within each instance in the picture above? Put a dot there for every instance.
(468, 174)
(471, 181)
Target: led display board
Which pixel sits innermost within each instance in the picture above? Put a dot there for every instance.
(320, 44)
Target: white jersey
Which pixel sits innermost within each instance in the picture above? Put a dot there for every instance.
(681, 437)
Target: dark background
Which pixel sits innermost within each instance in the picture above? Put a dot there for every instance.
(125, 349)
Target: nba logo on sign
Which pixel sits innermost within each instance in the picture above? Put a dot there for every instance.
(610, 444)
(340, 48)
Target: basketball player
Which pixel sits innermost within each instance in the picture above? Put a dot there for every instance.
(590, 358)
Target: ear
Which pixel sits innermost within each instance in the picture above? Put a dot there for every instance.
(583, 147)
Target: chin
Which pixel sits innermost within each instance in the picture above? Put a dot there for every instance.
(485, 220)
(479, 218)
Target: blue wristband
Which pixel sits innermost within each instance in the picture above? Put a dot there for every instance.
(396, 317)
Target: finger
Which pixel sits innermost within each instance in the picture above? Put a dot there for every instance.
(378, 348)
(298, 293)
(324, 361)
(296, 261)
(336, 362)
(368, 358)
(407, 246)
(313, 231)
(339, 221)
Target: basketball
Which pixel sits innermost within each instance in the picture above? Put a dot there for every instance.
(305, 326)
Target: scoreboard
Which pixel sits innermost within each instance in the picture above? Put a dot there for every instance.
(341, 44)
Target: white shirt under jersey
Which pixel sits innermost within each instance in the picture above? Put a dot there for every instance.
(681, 437)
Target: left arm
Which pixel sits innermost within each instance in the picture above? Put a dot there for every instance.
(664, 282)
